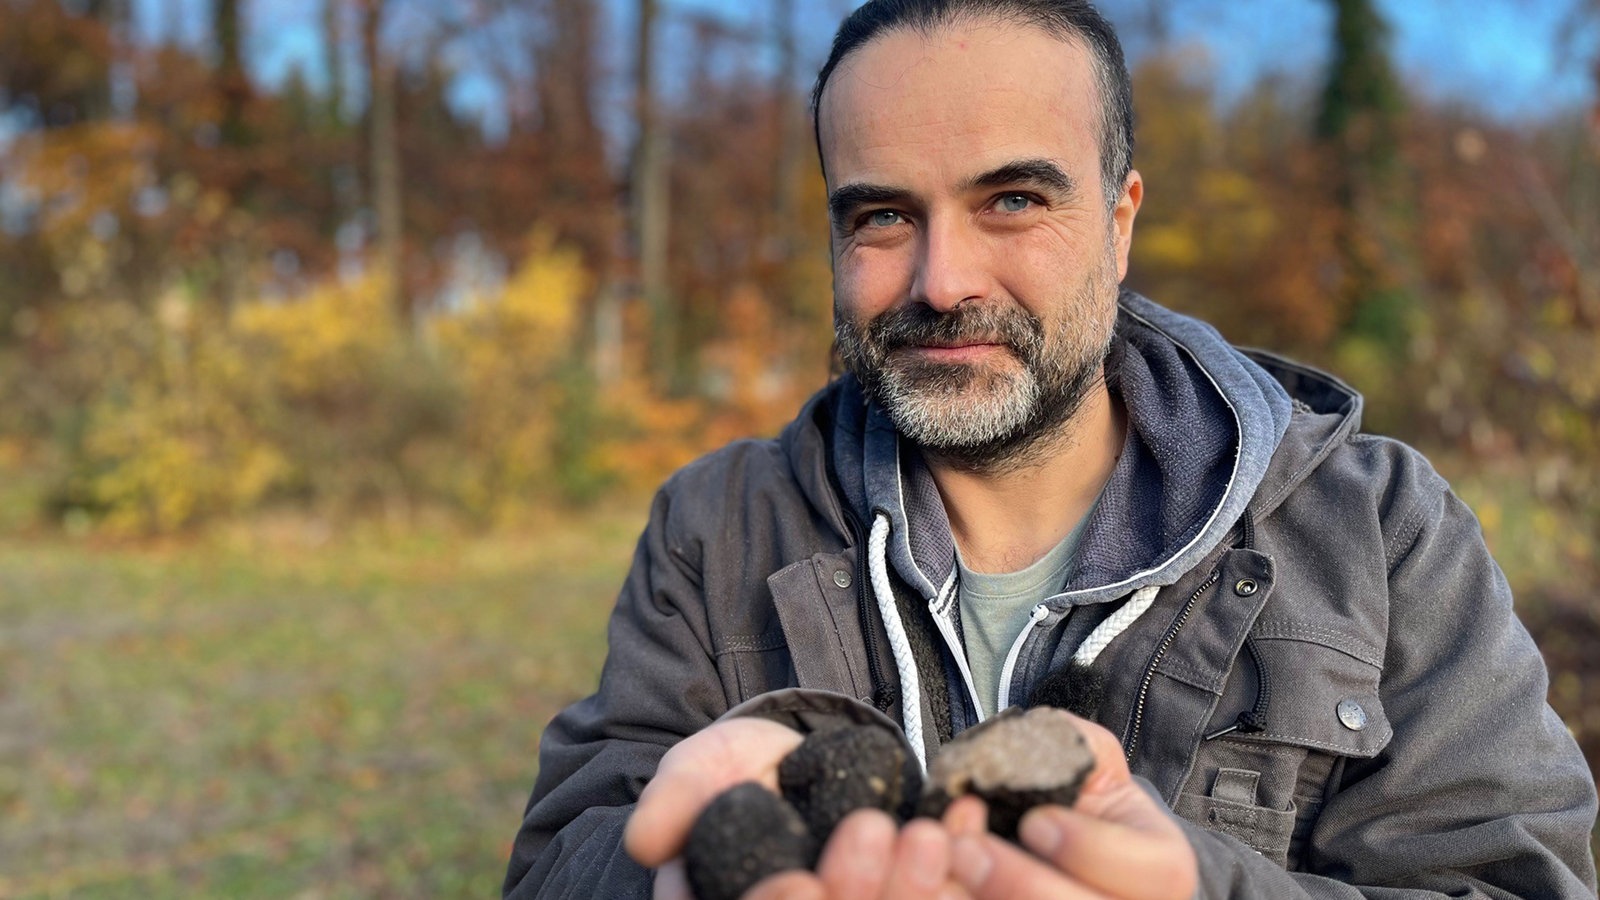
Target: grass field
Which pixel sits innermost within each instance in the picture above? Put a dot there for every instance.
(274, 711)
(288, 714)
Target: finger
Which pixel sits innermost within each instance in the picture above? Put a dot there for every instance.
(966, 815)
(1103, 853)
(789, 886)
(921, 861)
(671, 883)
(856, 861)
(991, 869)
(694, 772)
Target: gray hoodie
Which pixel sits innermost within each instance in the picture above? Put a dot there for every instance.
(1308, 653)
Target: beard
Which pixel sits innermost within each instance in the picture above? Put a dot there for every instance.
(991, 416)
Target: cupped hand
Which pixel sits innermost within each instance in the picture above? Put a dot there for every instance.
(1115, 842)
(693, 773)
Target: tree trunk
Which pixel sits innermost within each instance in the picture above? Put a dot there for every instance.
(790, 137)
(383, 145)
(651, 197)
(233, 89)
(333, 59)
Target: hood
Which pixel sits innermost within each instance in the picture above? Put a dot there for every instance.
(1204, 422)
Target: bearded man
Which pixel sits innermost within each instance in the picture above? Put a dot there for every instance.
(1291, 652)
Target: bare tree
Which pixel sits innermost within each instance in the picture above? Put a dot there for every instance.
(383, 147)
(651, 199)
(790, 138)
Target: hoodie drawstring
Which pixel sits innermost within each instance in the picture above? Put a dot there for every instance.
(899, 644)
(1115, 624)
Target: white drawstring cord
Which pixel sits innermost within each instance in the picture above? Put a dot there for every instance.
(1115, 624)
(899, 645)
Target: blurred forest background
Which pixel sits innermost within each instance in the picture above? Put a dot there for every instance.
(336, 361)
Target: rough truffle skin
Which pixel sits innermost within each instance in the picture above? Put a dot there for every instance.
(746, 834)
(834, 773)
(1014, 762)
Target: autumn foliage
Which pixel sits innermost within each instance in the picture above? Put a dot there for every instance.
(223, 296)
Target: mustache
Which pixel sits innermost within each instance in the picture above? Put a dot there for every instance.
(916, 324)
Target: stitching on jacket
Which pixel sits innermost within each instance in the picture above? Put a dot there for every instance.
(744, 644)
(1190, 675)
(1394, 550)
(817, 569)
(1333, 639)
(1312, 742)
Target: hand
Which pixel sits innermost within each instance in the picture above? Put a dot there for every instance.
(690, 776)
(1115, 842)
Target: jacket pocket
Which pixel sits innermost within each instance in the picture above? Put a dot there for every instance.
(1266, 788)
(753, 665)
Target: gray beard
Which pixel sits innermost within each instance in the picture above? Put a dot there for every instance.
(972, 417)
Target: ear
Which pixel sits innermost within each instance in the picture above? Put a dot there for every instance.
(1126, 210)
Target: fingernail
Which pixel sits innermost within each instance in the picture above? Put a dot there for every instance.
(970, 863)
(927, 857)
(872, 839)
(1040, 833)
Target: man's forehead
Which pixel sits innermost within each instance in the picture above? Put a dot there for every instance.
(999, 90)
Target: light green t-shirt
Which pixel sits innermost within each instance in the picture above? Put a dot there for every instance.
(995, 609)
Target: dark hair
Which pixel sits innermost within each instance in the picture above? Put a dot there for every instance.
(1069, 20)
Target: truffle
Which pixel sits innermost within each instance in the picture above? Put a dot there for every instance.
(1014, 761)
(746, 834)
(834, 773)
(1073, 687)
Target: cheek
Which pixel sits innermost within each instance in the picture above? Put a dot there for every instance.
(869, 281)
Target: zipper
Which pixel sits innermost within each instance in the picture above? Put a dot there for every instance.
(953, 642)
(1034, 618)
(1161, 651)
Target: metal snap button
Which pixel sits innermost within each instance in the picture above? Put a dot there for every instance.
(841, 578)
(1351, 715)
(1245, 587)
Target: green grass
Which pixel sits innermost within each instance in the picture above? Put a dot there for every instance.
(266, 715)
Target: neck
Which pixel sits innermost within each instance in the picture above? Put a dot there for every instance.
(1003, 520)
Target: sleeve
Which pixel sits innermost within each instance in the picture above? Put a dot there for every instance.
(1482, 792)
(658, 685)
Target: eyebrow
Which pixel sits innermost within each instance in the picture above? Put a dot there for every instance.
(847, 198)
(1039, 173)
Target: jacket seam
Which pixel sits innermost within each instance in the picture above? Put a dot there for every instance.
(1333, 639)
(746, 644)
(1394, 550)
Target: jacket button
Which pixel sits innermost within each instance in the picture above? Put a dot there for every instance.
(841, 578)
(1245, 587)
(1351, 715)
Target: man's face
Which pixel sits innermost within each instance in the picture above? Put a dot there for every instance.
(975, 261)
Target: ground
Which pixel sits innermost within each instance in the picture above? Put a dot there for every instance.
(281, 709)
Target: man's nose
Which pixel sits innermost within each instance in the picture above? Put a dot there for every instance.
(952, 268)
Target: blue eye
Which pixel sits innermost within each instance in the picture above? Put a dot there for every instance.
(1014, 202)
(883, 218)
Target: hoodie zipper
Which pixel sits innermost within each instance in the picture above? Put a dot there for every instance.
(1034, 618)
(1161, 652)
(953, 643)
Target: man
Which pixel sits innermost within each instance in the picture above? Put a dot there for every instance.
(1296, 661)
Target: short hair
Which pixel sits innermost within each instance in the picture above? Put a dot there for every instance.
(1069, 20)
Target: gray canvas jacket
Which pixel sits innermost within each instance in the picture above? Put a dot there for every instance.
(1319, 586)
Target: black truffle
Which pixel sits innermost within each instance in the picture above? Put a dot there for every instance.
(746, 834)
(1073, 687)
(834, 773)
(1014, 762)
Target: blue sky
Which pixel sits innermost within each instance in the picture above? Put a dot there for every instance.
(1505, 56)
